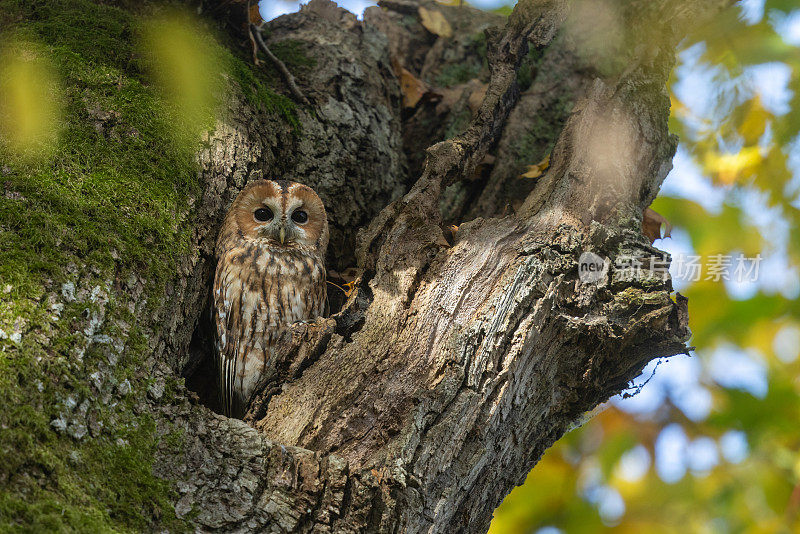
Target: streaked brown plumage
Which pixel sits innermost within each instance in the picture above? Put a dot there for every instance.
(270, 274)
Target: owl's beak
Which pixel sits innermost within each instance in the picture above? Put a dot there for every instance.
(282, 234)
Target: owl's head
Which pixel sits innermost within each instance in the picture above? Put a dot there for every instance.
(285, 214)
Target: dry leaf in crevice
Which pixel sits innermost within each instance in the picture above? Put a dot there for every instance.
(433, 21)
(535, 171)
(651, 225)
(413, 88)
(346, 280)
(450, 234)
(476, 98)
(451, 97)
(351, 273)
(348, 275)
(442, 239)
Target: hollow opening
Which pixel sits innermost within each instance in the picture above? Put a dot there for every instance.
(201, 374)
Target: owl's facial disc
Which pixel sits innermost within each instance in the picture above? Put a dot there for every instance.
(284, 214)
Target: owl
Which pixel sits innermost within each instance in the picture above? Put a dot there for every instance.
(270, 274)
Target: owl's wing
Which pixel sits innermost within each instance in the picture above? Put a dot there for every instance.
(227, 339)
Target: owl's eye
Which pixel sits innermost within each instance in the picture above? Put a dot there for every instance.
(263, 214)
(299, 216)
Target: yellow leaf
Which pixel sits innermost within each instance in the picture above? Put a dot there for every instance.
(187, 70)
(30, 114)
(535, 171)
(434, 22)
(755, 122)
(729, 167)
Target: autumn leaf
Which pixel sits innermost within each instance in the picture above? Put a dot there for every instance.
(448, 236)
(413, 88)
(755, 122)
(729, 167)
(433, 21)
(348, 288)
(651, 225)
(30, 113)
(347, 280)
(450, 233)
(535, 171)
(738, 144)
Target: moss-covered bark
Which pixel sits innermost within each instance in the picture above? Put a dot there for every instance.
(91, 238)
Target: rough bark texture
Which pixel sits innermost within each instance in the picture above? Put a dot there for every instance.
(457, 361)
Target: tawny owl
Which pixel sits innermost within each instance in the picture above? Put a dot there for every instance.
(270, 274)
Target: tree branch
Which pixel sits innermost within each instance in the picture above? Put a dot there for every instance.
(255, 32)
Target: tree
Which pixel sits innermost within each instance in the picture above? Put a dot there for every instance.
(457, 357)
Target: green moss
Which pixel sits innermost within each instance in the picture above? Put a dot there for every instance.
(256, 82)
(90, 198)
(112, 202)
(527, 69)
(457, 73)
(476, 67)
(479, 43)
(409, 21)
(176, 439)
(293, 54)
(55, 483)
(254, 86)
(542, 133)
(503, 10)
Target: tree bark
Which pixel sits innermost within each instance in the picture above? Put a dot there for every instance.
(458, 359)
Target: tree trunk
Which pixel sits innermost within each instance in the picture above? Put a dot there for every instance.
(459, 357)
